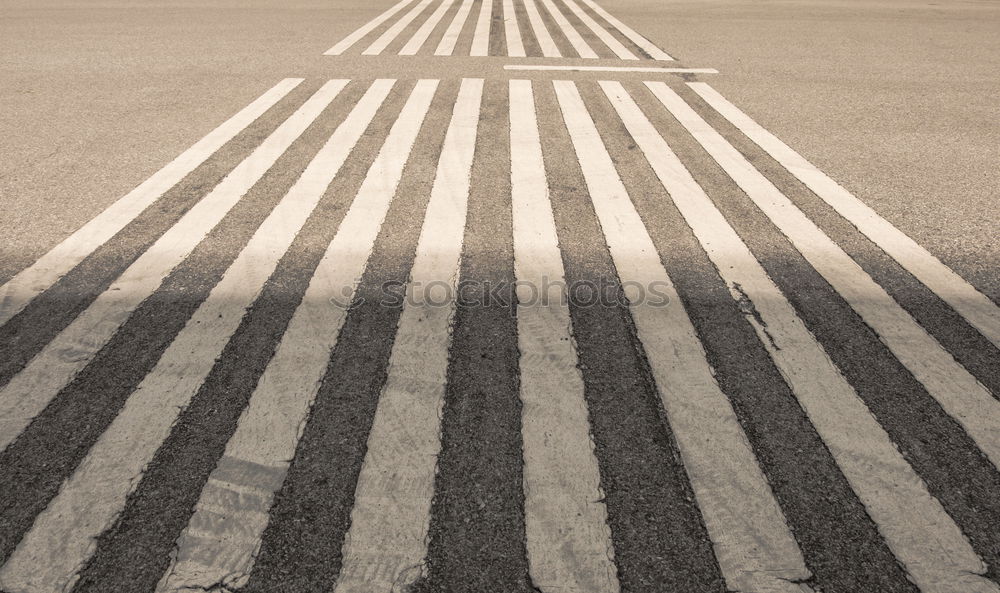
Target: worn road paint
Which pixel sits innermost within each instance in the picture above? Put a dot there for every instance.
(754, 547)
(568, 538)
(387, 541)
(221, 539)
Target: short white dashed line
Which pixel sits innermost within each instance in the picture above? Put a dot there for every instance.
(652, 69)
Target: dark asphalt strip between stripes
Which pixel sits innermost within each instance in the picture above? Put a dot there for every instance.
(476, 537)
(302, 545)
(659, 539)
(841, 545)
(498, 42)
(27, 333)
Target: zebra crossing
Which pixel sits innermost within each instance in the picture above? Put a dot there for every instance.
(543, 331)
(512, 28)
(572, 537)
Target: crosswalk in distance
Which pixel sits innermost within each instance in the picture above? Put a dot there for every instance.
(287, 424)
(512, 28)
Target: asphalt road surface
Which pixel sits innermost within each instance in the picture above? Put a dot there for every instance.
(558, 296)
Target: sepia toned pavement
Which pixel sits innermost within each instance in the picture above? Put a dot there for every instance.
(524, 295)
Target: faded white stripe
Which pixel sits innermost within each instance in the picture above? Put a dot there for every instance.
(450, 38)
(17, 292)
(481, 38)
(568, 539)
(548, 47)
(571, 68)
(387, 541)
(515, 47)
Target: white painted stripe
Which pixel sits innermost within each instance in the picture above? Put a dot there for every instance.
(447, 44)
(365, 29)
(481, 38)
(571, 68)
(420, 37)
(515, 48)
(17, 292)
(569, 31)
(971, 304)
(548, 47)
(62, 358)
(646, 46)
(90, 501)
(568, 539)
(221, 539)
(392, 32)
(915, 526)
(753, 545)
(613, 44)
(387, 541)
(958, 392)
